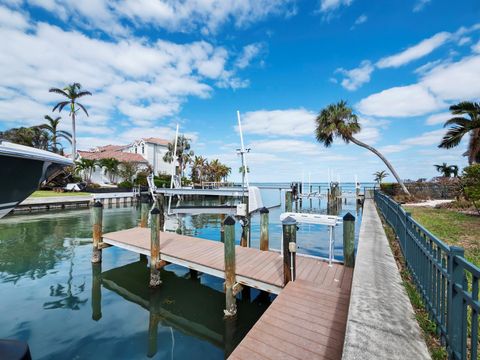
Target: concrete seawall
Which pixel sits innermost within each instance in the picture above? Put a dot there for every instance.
(381, 321)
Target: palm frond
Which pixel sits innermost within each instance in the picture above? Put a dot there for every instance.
(461, 121)
(453, 137)
(83, 108)
(83, 93)
(58, 91)
(60, 106)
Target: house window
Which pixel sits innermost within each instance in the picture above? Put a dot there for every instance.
(135, 149)
(143, 149)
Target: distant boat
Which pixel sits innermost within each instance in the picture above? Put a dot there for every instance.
(23, 169)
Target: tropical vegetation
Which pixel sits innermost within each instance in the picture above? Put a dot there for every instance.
(471, 184)
(379, 176)
(466, 121)
(205, 171)
(52, 127)
(339, 121)
(111, 168)
(85, 168)
(72, 92)
(183, 155)
(447, 170)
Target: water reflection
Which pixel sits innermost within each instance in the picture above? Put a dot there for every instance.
(182, 303)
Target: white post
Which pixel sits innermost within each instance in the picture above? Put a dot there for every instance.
(173, 169)
(330, 246)
(242, 149)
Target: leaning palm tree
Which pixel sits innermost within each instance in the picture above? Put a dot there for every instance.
(338, 120)
(462, 126)
(72, 92)
(444, 169)
(55, 134)
(379, 176)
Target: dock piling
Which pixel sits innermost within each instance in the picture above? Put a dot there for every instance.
(349, 240)
(229, 253)
(96, 291)
(97, 232)
(289, 227)
(288, 201)
(264, 213)
(155, 248)
(144, 212)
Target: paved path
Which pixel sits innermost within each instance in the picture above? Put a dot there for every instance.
(381, 322)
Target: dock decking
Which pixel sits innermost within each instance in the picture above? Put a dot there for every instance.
(307, 319)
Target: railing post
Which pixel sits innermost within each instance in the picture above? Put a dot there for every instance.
(288, 201)
(405, 239)
(349, 240)
(155, 248)
(455, 303)
(229, 253)
(97, 232)
(289, 229)
(144, 206)
(264, 213)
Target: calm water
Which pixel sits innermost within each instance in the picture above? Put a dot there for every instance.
(52, 296)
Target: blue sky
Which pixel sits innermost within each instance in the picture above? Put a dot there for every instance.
(152, 63)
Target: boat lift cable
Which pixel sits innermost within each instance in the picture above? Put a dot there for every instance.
(173, 169)
(242, 153)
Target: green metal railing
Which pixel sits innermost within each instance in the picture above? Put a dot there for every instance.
(447, 282)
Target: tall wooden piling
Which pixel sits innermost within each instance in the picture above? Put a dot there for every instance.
(96, 291)
(144, 206)
(229, 253)
(97, 231)
(264, 213)
(161, 208)
(155, 248)
(288, 201)
(349, 240)
(222, 228)
(289, 227)
(245, 239)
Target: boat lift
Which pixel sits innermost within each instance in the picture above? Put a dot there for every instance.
(318, 219)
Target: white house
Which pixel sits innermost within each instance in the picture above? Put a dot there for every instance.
(147, 152)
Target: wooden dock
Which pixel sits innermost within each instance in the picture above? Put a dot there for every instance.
(307, 319)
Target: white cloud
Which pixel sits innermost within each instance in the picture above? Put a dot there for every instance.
(331, 5)
(426, 139)
(415, 52)
(420, 4)
(131, 78)
(355, 78)
(476, 47)
(400, 101)
(464, 40)
(436, 119)
(289, 122)
(286, 146)
(391, 149)
(249, 52)
(181, 16)
(360, 20)
(12, 19)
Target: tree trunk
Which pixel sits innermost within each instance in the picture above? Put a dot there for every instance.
(387, 163)
(74, 134)
(474, 146)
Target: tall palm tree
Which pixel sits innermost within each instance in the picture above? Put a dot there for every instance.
(454, 170)
(444, 169)
(183, 155)
(462, 126)
(72, 92)
(55, 134)
(338, 120)
(198, 168)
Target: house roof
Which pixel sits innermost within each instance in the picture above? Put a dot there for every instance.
(119, 155)
(109, 148)
(157, 141)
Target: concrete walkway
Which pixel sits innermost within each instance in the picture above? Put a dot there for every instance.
(381, 322)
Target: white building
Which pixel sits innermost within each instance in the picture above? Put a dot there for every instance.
(147, 152)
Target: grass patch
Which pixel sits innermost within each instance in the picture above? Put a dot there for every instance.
(452, 227)
(428, 327)
(49, 193)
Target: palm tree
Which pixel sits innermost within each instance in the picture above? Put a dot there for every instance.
(338, 120)
(444, 169)
(225, 171)
(111, 168)
(379, 176)
(199, 164)
(215, 167)
(85, 166)
(72, 92)
(55, 134)
(462, 126)
(454, 170)
(184, 154)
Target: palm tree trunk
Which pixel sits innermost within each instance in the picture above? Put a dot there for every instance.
(473, 146)
(387, 163)
(74, 134)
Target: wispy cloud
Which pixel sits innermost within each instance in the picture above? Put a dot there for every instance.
(360, 20)
(355, 78)
(249, 52)
(420, 4)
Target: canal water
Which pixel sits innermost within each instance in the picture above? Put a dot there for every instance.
(66, 308)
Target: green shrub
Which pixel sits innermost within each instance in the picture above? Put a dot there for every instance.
(141, 178)
(471, 184)
(125, 184)
(159, 183)
(388, 188)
